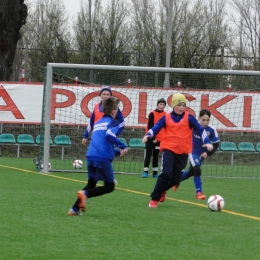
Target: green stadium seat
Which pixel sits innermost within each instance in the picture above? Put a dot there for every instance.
(38, 140)
(136, 143)
(7, 139)
(246, 147)
(62, 140)
(228, 146)
(257, 147)
(25, 139)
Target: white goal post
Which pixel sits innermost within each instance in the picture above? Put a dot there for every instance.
(231, 86)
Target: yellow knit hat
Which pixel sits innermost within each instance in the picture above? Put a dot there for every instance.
(178, 98)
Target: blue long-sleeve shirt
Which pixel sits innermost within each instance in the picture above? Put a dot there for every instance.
(193, 124)
(118, 117)
(104, 140)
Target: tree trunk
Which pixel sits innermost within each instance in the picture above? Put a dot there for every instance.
(13, 15)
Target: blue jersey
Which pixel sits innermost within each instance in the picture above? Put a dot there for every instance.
(118, 117)
(104, 139)
(197, 141)
(193, 124)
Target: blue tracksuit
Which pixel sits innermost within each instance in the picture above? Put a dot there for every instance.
(101, 151)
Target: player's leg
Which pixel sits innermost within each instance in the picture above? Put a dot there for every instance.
(106, 174)
(155, 162)
(80, 203)
(166, 176)
(148, 154)
(197, 179)
(186, 174)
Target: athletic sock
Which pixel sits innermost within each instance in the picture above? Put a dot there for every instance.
(198, 184)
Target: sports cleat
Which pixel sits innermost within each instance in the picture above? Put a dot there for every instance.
(145, 175)
(155, 175)
(153, 204)
(175, 187)
(115, 182)
(73, 213)
(82, 199)
(162, 199)
(200, 196)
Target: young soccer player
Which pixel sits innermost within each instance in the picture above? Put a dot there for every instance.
(100, 155)
(176, 144)
(98, 112)
(152, 146)
(200, 153)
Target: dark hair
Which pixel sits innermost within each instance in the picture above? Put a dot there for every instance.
(109, 105)
(204, 112)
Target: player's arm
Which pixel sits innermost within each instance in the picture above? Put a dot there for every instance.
(214, 137)
(215, 147)
(154, 130)
(111, 135)
(150, 124)
(121, 120)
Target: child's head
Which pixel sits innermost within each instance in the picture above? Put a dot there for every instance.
(105, 92)
(161, 103)
(204, 117)
(110, 106)
(178, 103)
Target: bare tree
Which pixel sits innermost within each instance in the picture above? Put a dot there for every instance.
(105, 26)
(246, 19)
(48, 33)
(13, 15)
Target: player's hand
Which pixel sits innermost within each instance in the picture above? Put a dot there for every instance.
(208, 146)
(123, 151)
(204, 155)
(145, 139)
(155, 141)
(84, 141)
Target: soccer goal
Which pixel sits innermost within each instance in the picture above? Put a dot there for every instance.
(72, 90)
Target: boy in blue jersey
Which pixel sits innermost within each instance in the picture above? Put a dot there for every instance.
(100, 154)
(175, 145)
(199, 153)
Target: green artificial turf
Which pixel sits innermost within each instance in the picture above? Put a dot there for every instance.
(120, 225)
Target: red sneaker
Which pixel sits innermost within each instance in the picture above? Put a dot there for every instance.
(175, 187)
(153, 204)
(200, 196)
(82, 198)
(162, 199)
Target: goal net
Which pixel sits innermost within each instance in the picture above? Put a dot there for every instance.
(71, 92)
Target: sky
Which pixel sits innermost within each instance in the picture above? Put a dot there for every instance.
(72, 6)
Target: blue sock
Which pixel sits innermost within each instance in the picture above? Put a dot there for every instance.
(198, 184)
(185, 175)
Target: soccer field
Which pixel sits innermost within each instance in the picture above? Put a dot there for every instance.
(120, 225)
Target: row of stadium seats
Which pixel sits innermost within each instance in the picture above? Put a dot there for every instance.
(27, 139)
(245, 147)
(242, 147)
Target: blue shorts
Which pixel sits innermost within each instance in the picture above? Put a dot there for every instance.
(195, 159)
(100, 171)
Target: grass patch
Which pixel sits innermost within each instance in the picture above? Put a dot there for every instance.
(35, 225)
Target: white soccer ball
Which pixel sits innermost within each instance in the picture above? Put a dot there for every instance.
(216, 203)
(49, 164)
(77, 164)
